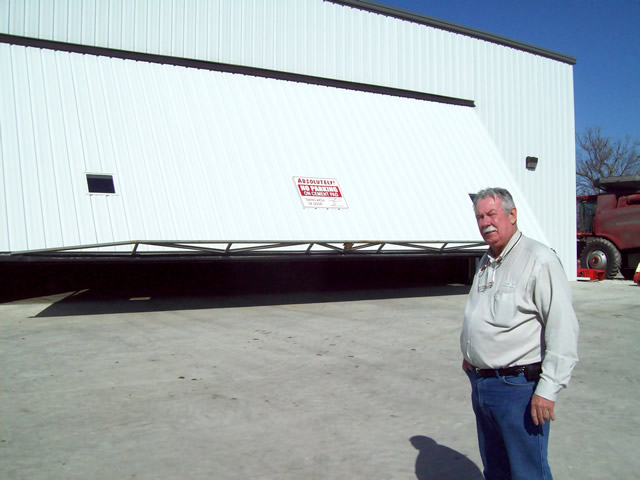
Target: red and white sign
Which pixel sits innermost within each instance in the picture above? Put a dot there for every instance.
(320, 192)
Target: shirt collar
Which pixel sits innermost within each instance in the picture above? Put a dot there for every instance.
(515, 238)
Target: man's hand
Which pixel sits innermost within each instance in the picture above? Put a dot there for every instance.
(541, 410)
(466, 365)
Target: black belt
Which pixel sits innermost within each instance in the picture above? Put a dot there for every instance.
(533, 370)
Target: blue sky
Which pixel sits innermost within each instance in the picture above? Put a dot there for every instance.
(602, 35)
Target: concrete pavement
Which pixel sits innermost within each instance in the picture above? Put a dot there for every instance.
(365, 385)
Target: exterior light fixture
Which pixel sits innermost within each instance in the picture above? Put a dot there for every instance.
(531, 163)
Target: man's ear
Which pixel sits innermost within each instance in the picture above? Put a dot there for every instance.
(513, 216)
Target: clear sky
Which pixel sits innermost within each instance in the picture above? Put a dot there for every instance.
(602, 35)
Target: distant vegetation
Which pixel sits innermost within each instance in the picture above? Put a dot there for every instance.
(599, 156)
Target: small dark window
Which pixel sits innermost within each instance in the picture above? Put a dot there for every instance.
(100, 183)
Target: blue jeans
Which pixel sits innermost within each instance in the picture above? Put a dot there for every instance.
(512, 447)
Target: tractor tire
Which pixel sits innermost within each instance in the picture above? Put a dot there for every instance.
(601, 254)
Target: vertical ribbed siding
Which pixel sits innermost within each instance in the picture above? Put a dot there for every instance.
(203, 155)
(303, 36)
(526, 102)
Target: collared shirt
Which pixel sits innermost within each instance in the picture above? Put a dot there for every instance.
(519, 312)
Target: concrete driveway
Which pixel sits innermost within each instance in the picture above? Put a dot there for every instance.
(351, 385)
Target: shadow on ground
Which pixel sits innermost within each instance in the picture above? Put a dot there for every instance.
(437, 462)
(110, 287)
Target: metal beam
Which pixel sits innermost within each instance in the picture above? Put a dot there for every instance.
(243, 248)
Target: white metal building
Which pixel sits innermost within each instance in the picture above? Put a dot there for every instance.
(149, 125)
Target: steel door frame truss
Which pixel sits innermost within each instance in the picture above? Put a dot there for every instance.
(245, 248)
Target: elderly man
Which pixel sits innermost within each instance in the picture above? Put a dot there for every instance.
(519, 342)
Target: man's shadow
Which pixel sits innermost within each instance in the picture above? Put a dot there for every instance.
(437, 462)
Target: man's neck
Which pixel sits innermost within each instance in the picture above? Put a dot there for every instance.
(506, 247)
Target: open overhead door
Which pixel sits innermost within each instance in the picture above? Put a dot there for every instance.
(218, 161)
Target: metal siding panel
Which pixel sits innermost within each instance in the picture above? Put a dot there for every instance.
(127, 39)
(5, 224)
(5, 16)
(27, 180)
(189, 158)
(212, 37)
(221, 157)
(140, 23)
(87, 114)
(201, 30)
(188, 30)
(203, 148)
(213, 155)
(32, 17)
(165, 29)
(4, 194)
(16, 17)
(149, 165)
(46, 15)
(69, 224)
(159, 157)
(14, 208)
(302, 36)
(106, 160)
(113, 23)
(60, 22)
(227, 37)
(87, 25)
(526, 102)
(126, 146)
(45, 167)
(102, 22)
(153, 33)
(76, 107)
(74, 21)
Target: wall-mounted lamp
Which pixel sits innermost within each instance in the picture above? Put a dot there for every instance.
(531, 163)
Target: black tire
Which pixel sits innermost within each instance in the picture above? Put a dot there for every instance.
(601, 254)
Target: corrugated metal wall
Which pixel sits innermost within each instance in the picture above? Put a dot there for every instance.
(525, 101)
(205, 155)
(311, 37)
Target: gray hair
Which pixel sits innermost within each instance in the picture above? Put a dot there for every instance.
(495, 193)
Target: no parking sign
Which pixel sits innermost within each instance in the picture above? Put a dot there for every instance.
(320, 192)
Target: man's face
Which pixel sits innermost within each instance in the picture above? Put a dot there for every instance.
(496, 227)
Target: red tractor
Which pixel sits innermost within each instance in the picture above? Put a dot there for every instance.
(609, 227)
